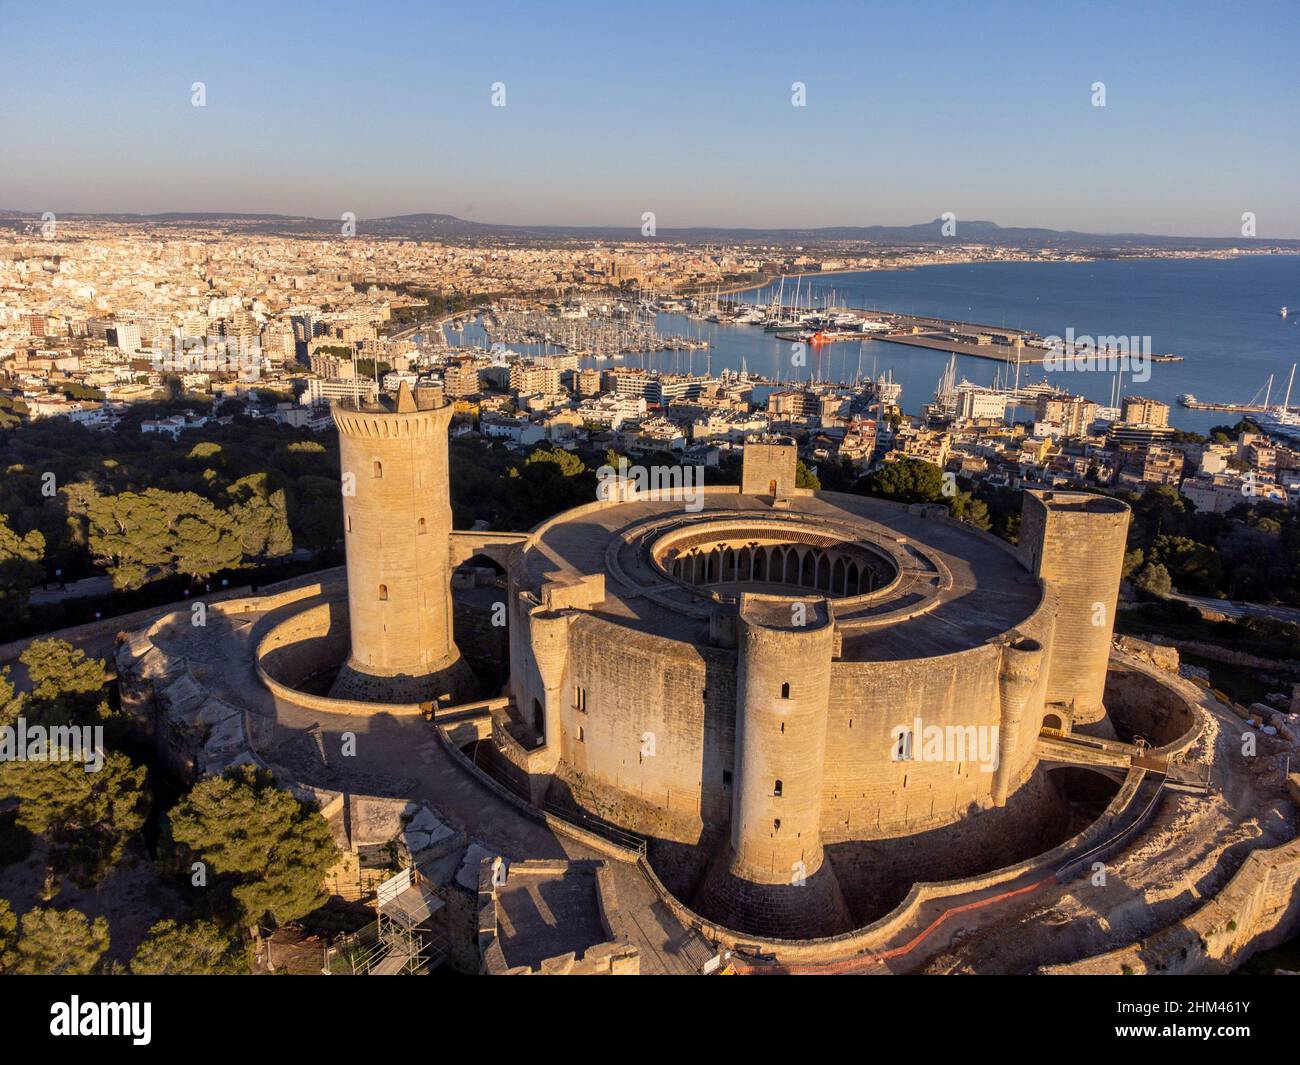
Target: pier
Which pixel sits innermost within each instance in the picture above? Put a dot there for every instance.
(1020, 353)
(1192, 403)
(794, 324)
(1260, 402)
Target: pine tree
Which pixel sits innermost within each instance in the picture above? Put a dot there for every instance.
(20, 568)
(201, 948)
(85, 818)
(67, 687)
(8, 936)
(272, 850)
(59, 943)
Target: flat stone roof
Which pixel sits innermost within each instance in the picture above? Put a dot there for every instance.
(957, 587)
(544, 914)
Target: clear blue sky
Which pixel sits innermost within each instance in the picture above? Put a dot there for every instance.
(683, 109)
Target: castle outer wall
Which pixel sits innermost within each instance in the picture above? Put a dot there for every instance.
(655, 726)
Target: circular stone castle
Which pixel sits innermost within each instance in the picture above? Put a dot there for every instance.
(802, 723)
(743, 677)
(777, 669)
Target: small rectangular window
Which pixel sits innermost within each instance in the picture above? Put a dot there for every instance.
(903, 746)
(726, 778)
(580, 698)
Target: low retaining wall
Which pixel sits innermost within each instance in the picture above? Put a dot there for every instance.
(95, 630)
(281, 591)
(558, 824)
(1224, 654)
(876, 935)
(1257, 909)
(307, 643)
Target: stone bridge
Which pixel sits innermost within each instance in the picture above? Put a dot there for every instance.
(498, 546)
(1057, 748)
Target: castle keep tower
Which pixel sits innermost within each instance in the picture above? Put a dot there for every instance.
(1075, 542)
(397, 520)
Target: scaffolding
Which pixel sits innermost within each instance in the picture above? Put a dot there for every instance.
(408, 938)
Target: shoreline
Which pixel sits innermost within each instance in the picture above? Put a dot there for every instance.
(1194, 375)
(1002, 262)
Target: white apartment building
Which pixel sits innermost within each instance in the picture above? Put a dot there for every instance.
(322, 391)
(980, 405)
(611, 411)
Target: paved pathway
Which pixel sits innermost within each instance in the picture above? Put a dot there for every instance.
(401, 755)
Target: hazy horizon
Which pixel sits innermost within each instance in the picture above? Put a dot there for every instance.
(604, 226)
(986, 112)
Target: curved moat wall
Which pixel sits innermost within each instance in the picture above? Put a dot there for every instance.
(1058, 813)
(880, 878)
(876, 875)
(305, 651)
(298, 658)
(879, 934)
(1139, 705)
(1257, 910)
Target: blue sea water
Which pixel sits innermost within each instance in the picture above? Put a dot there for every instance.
(1220, 314)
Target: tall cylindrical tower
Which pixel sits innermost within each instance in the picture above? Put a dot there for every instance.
(1075, 542)
(782, 702)
(397, 521)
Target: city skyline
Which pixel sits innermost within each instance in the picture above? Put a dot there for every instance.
(609, 115)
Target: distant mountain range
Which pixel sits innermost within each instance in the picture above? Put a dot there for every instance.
(428, 226)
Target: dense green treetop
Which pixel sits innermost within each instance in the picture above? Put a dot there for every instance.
(200, 948)
(58, 943)
(272, 850)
